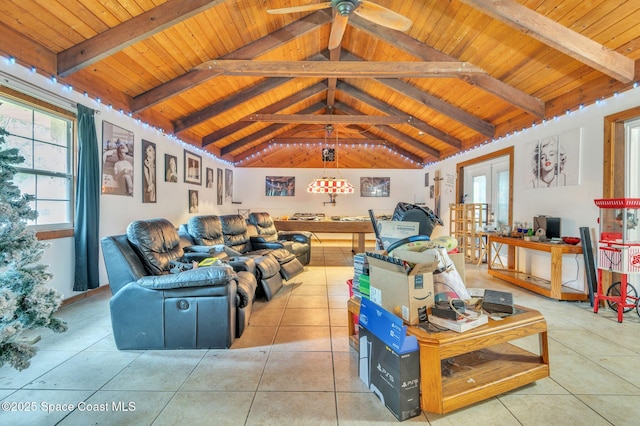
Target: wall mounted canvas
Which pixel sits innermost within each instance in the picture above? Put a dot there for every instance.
(228, 185)
(553, 161)
(148, 172)
(276, 186)
(375, 186)
(192, 168)
(170, 168)
(117, 160)
(219, 180)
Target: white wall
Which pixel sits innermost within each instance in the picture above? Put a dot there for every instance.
(573, 204)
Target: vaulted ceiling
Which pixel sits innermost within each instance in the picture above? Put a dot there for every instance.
(264, 90)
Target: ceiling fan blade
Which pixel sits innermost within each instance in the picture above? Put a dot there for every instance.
(383, 16)
(337, 30)
(295, 9)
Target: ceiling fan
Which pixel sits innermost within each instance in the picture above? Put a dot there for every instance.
(344, 8)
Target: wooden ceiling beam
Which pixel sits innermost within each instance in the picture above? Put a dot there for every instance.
(340, 69)
(389, 110)
(261, 46)
(278, 106)
(129, 32)
(330, 119)
(559, 37)
(265, 132)
(436, 104)
(301, 141)
(420, 50)
(227, 103)
(388, 130)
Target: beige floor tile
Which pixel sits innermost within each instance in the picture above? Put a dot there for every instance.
(41, 407)
(626, 367)
(231, 371)
(345, 368)
(41, 363)
(338, 316)
(302, 338)
(157, 370)
(87, 370)
(363, 409)
(298, 371)
(293, 408)
(340, 339)
(589, 344)
(488, 412)
(309, 316)
(119, 407)
(582, 376)
(206, 408)
(304, 302)
(269, 316)
(619, 410)
(558, 409)
(256, 337)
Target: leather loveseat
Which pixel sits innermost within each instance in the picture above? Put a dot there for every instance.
(152, 308)
(206, 234)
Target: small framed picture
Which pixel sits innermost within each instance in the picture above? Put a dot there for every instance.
(149, 172)
(209, 181)
(192, 168)
(170, 168)
(193, 201)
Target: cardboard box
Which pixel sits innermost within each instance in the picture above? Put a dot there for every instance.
(391, 231)
(403, 291)
(389, 360)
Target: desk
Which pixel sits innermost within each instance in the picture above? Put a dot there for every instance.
(358, 229)
(551, 288)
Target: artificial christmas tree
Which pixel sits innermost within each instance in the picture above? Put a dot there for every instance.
(26, 303)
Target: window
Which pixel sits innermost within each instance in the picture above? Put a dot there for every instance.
(632, 177)
(44, 137)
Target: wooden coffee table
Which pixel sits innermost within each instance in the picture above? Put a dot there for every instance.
(479, 363)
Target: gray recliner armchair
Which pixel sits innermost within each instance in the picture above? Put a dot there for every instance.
(152, 308)
(296, 242)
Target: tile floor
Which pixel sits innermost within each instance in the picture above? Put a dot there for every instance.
(294, 366)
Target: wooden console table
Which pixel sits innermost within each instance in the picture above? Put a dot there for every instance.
(358, 229)
(551, 288)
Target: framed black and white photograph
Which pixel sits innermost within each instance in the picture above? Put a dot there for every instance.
(209, 178)
(170, 168)
(280, 186)
(192, 168)
(328, 154)
(426, 180)
(432, 191)
(375, 186)
(148, 172)
(117, 160)
(219, 188)
(193, 201)
(228, 185)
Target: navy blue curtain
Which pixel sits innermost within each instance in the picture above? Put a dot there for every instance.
(87, 218)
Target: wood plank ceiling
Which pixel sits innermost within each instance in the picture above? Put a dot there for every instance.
(260, 89)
